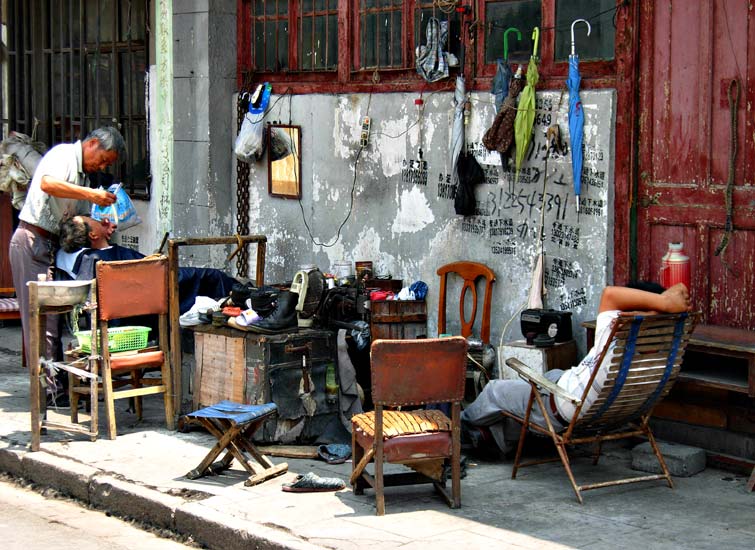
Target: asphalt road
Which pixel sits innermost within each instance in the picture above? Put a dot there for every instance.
(32, 521)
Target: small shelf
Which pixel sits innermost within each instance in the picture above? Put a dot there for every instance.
(715, 380)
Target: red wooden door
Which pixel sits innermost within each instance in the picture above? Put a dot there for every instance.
(690, 52)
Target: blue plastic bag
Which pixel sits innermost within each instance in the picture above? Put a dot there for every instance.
(121, 213)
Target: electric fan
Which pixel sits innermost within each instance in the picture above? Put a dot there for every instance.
(309, 284)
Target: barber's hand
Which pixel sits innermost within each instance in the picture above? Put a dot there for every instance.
(102, 198)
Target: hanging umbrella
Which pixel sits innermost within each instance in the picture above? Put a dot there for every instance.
(500, 87)
(500, 136)
(576, 114)
(525, 116)
(457, 132)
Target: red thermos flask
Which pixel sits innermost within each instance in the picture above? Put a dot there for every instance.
(675, 266)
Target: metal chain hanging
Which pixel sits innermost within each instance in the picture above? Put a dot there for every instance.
(242, 193)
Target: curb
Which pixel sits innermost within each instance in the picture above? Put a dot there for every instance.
(123, 498)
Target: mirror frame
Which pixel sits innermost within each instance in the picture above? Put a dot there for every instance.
(282, 189)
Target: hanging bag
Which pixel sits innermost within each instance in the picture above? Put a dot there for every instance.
(250, 143)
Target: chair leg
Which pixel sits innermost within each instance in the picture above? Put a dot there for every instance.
(659, 456)
(357, 453)
(456, 456)
(107, 389)
(379, 483)
(523, 434)
(136, 383)
(73, 398)
(596, 454)
(94, 385)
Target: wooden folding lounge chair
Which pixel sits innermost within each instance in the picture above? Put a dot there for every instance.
(644, 364)
(234, 424)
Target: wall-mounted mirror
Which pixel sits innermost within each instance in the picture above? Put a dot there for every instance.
(284, 161)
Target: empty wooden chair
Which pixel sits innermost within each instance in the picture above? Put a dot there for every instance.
(405, 373)
(127, 289)
(469, 272)
(644, 363)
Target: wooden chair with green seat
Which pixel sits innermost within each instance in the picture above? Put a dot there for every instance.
(411, 373)
(127, 289)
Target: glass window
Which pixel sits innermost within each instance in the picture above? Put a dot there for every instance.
(91, 73)
(600, 44)
(524, 15)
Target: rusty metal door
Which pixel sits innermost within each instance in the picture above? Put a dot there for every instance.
(692, 54)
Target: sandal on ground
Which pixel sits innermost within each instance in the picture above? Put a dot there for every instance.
(334, 453)
(312, 483)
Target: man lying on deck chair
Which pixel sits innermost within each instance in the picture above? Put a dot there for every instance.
(513, 395)
(84, 242)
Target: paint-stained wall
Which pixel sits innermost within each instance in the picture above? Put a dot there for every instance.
(402, 217)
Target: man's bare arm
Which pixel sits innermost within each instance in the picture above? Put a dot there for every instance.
(673, 300)
(64, 190)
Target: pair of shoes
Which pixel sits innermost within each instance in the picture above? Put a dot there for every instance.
(312, 483)
(282, 319)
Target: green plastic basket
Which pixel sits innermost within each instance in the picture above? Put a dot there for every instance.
(118, 339)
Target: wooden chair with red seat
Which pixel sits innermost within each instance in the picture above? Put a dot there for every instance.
(127, 289)
(469, 272)
(411, 373)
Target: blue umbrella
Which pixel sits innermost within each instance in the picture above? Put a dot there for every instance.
(576, 114)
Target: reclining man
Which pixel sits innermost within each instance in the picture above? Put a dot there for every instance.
(85, 241)
(513, 395)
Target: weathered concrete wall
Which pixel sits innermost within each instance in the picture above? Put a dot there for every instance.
(192, 174)
(403, 214)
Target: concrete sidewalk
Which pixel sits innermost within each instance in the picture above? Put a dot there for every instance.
(141, 475)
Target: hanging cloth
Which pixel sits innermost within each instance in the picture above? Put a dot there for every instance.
(432, 63)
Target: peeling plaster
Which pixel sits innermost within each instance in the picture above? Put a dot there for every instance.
(414, 212)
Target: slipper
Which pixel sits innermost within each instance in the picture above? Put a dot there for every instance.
(334, 453)
(312, 483)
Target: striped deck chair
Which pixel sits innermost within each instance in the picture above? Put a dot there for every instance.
(644, 364)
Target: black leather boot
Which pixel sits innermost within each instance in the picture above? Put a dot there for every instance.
(283, 317)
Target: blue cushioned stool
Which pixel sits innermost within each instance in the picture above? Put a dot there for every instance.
(234, 424)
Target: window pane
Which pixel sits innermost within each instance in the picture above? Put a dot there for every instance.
(499, 16)
(270, 35)
(318, 37)
(600, 43)
(381, 34)
(99, 86)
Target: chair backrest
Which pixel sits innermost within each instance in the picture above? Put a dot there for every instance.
(416, 372)
(469, 272)
(643, 365)
(132, 287)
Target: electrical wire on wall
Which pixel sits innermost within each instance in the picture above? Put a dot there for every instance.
(351, 202)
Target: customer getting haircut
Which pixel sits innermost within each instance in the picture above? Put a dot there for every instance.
(74, 235)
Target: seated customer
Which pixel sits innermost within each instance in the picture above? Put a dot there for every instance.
(513, 395)
(84, 242)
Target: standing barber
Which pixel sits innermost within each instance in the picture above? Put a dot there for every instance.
(59, 183)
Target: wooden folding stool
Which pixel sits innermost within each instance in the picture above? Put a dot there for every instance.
(234, 424)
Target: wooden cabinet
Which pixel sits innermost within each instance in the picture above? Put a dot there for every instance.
(398, 319)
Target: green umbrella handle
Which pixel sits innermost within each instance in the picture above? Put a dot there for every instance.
(506, 40)
(535, 40)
